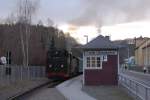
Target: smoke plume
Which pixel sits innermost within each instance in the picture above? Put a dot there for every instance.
(108, 12)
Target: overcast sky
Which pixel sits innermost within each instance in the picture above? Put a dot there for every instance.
(98, 13)
(84, 12)
(6, 7)
(60, 11)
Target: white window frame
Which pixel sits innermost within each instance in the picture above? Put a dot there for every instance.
(101, 61)
(105, 59)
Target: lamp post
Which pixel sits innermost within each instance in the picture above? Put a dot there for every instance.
(86, 38)
(128, 52)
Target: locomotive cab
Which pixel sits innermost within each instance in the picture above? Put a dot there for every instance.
(57, 66)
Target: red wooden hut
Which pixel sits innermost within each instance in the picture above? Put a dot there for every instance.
(100, 62)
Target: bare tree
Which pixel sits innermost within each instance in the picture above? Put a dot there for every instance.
(2, 20)
(26, 10)
(40, 23)
(11, 19)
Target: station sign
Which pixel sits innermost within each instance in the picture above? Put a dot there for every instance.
(96, 53)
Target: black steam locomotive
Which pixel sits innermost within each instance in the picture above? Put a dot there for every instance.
(61, 64)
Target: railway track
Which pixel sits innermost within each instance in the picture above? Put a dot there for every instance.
(29, 93)
(34, 91)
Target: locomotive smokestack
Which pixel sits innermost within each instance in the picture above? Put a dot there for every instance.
(107, 37)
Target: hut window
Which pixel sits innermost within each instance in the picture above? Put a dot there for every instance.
(93, 62)
(104, 58)
(98, 62)
(88, 61)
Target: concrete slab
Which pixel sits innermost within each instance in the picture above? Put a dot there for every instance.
(74, 90)
(106, 93)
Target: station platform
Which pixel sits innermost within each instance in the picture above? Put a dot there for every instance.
(73, 89)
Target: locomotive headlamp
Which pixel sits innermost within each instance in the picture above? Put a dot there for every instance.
(62, 66)
(50, 66)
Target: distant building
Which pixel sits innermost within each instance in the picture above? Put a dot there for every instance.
(140, 40)
(100, 62)
(142, 51)
(126, 49)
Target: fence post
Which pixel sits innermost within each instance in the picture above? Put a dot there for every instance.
(136, 90)
(1, 73)
(130, 84)
(120, 79)
(146, 93)
(125, 79)
(21, 73)
(43, 71)
(28, 71)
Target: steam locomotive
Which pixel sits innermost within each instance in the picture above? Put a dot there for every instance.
(61, 64)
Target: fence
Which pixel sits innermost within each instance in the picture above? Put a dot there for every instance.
(138, 68)
(18, 73)
(140, 90)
